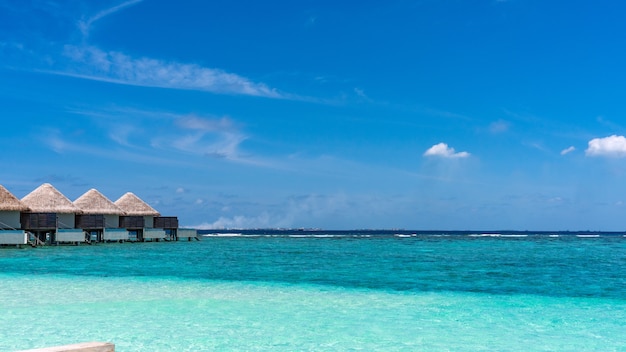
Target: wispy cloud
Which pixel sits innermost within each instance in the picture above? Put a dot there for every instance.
(359, 92)
(90, 62)
(538, 145)
(59, 143)
(122, 133)
(612, 146)
(175, 134)
(209, 125)
(216, 138)
(608, 123)
(567, 150)
(82, 59)
(444, 151)
(85, 25)
(499, 126)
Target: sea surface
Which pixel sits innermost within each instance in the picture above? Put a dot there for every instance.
(322, 291)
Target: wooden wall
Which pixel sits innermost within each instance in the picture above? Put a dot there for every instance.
(38, 221)
(132, 222)
(90, 221)
(166, 222)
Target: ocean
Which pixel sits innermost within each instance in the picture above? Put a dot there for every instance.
(322, 291)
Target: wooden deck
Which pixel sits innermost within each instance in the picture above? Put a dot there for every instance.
(79, 347)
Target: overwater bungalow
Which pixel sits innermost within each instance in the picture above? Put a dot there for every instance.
(50, 216)
(138, 218)
(99, 216)
(46, 216)
(10, 210)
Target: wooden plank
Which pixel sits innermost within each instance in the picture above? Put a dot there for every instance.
(78, 347)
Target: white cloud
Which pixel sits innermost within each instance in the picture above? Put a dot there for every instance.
(567, 150)
(90, 62)
(180, 190)
(442, 150)
(238, 222)
(612, 146)
(296, 211)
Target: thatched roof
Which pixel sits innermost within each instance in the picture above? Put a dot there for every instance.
(9, 202)
(47, 199)
(93, 202)
(133, 205)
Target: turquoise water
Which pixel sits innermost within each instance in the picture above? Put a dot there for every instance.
(341, 293)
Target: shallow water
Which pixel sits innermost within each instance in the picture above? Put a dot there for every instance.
(320, 293)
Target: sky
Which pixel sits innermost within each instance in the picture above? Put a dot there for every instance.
(398, 114)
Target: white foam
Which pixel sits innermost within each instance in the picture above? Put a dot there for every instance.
(223, 235)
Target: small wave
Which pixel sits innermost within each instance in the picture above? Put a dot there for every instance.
(554, 235)
(485, 235)
(514, 236)
(223, 235)
(401, 235)
(587, 236)
(316, 236)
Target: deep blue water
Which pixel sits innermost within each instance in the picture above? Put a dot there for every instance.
(538, 264)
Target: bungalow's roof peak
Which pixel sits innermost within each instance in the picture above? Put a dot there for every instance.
(47, 199)
(94, 202)
(133, 205)
(9, 202)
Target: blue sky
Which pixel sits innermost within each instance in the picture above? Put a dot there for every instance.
(452, 115)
